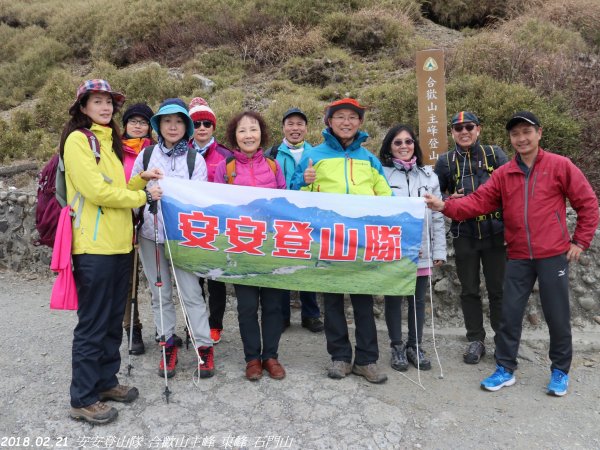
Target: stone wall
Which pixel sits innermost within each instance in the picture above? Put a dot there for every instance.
(18, 253)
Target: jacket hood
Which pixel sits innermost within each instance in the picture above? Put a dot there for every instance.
(334, 143)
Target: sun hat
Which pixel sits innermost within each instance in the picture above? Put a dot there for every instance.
(97, 85)
(173, 106)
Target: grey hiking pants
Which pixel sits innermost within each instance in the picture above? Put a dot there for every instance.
(190, 291)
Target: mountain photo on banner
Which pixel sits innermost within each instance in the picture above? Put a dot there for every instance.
(294, 240)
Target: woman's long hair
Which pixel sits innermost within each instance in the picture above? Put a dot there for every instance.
(80, 120)
(385, 154)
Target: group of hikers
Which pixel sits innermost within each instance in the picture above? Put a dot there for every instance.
(509, 217)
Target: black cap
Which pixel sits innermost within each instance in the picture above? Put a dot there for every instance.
(138, 109)
(294, 112)
(522, 116)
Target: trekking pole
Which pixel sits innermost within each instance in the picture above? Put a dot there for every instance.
(154, 211)
(134, 289)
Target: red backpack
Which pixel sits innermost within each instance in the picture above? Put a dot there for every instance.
(52, 193)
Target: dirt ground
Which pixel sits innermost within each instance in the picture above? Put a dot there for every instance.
(304, 411)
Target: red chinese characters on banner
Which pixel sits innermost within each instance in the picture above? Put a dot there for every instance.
(245, 235)
(382, 243)
(292, 239)
(341, 247)
(198, 230)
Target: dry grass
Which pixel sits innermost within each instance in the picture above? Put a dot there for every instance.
(276, 45)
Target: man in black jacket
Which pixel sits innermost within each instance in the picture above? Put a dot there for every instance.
(477, 241)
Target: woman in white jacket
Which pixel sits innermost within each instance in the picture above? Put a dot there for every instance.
(402, 162)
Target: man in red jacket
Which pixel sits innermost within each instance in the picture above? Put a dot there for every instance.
(531, 190)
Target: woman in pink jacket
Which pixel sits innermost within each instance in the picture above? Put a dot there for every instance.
(247, 133)
(137, 135)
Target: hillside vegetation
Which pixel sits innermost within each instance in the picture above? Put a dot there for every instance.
(269, 55)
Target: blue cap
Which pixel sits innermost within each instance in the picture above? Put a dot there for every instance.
(173, 106)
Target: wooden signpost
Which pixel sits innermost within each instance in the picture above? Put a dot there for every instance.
(431, 92)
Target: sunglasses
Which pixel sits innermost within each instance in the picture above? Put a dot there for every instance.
(460, 127)
(399, 142)
(205, 123)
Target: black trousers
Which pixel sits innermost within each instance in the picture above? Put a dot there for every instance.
(260, 341)
(491, 254)
(217, 298)
(393, 314)
(553, 279)
(336, 329)
(102, 282)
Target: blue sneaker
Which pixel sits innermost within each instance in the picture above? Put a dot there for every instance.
(500, 378)
(559, 382)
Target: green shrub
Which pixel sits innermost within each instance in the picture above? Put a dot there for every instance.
(221, 64)
(28, 57)
(458, 14)
(55, 99)
(529, 51)
(76, 25)
(393, 102)
(329, 66)
(308, 12)
(368, 30)
(544, 37)
(581, 16)
(494, 102)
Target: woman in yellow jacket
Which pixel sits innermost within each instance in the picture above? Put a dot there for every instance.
(101, 247)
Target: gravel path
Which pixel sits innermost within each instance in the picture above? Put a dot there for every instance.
(304, 411)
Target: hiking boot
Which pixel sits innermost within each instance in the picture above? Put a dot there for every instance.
(371, 372)
(500, 378)
(559, 382)
(137, 344)
(176, 339)
(97, 413)
(313, 324)
(171, 356)
(215, 335)
(207, 367)
(398, 359)
(120, 393)
(421, 362)
(474, 352)
(339, 370)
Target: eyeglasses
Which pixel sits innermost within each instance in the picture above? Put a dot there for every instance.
(205, 123)
(344, 118)
(458, 128)
(140, 122)
(399, 142)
